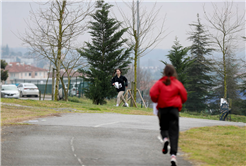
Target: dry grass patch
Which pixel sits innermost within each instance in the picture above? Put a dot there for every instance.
(215, 146)
(83, 105)
(12, 115)
(30, 109)
(37, 103)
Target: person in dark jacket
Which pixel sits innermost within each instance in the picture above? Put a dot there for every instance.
(169, 94)
(120, 83)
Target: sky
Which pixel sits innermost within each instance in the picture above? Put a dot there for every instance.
(179, 14)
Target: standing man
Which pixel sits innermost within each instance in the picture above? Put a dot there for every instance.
(120, 83)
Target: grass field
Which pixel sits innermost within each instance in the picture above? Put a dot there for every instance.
(234, 118)
(215, 146)
(206, 146)
(14, 115)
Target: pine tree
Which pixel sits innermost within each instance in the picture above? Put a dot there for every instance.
(199, 77)
(104, 54)
(179, 59)
(4, 73)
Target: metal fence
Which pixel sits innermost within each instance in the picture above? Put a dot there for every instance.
(76, 87)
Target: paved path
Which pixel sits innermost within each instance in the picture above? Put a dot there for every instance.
(91, 139)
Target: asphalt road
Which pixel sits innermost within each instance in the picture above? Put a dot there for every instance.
(91, 139)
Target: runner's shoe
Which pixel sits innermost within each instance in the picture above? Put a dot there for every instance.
(165, 146)
(173, 160)
(126, 104)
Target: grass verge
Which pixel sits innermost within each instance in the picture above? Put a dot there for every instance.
(12, 114)
(218, 145)
(84, 105)
(234, 118)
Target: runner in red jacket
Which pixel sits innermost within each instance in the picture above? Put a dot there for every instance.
(169, 94)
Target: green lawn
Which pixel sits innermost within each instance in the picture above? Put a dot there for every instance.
(215, 146)
(234, 118)
(83, 105)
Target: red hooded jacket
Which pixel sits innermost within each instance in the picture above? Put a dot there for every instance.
(173, 95)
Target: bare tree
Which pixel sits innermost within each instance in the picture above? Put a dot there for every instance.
(52, 31)
(145, 82)
(225, 25)
(144, 35)
(143, 78)
(70, 62)
(236, 70)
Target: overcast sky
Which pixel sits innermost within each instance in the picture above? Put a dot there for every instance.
(179, 14)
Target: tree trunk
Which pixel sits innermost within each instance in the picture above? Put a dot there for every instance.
(135, 78)
(225, 76)
(135, 66)
(63, 87)
(68, 86)
(224, 67)
(57, 84)
(59, 50)
(53, 81)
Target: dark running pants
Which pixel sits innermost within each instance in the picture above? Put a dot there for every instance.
(169, 126)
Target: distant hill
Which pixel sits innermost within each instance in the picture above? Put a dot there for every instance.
(153, 58)
(23, 50)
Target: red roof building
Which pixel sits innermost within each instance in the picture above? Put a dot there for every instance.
(73, 73)
(22, 71)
